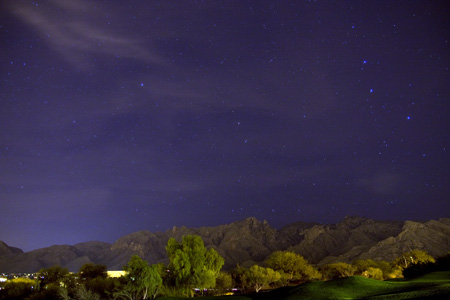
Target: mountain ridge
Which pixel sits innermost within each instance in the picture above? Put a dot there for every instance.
(248, 242)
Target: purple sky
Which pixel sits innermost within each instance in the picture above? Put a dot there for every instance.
(118, 116)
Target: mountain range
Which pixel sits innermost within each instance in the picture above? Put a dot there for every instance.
(249, 242)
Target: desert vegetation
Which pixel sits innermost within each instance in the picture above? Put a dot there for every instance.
(194, 270)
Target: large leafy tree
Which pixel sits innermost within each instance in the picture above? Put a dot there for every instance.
(142, 280)
(260, 277)
(240, 277)
(224, 282)
(91, 271)
(413, 257)
(292, 266)
(192, 265)
(93, 280)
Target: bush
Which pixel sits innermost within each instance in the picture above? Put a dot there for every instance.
(338, 270)
(366, 268)
(18, 288)
(374, 273)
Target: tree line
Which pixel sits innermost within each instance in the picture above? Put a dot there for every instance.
(194, 270)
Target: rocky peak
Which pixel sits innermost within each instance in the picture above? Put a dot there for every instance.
(254, 225)
(252, 222)
(351, 222)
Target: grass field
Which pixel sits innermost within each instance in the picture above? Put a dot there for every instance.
(431, 286)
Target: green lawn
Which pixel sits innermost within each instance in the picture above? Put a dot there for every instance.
(431, 286)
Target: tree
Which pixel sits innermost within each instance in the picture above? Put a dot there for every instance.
(18, 288)
(363, 264)
(142, 280)
(386, 267)
(54, 274)
(82, 292)
(260, 276)
(192, 265)
(366, 268)
(292, 266)
(422, 268)
(374, 273)
(94, 282)
(412, 257)
(50, 292)
(338, 270)
(240, 278)
(154, 280)
(102, 286)
(224, 282)
(91, 271)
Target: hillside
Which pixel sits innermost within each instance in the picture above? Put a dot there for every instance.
(250, 241)
(6, 250)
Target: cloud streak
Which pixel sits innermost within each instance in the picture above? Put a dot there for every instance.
(77, 38)
(383, 183)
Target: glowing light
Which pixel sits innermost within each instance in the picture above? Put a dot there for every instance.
(116, 273)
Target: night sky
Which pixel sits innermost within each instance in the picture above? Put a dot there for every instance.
(119, 116)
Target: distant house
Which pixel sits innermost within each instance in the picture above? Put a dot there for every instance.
(116, 273)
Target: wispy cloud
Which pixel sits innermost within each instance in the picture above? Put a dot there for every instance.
(383, 183)
(75, 202)
(73, 30)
